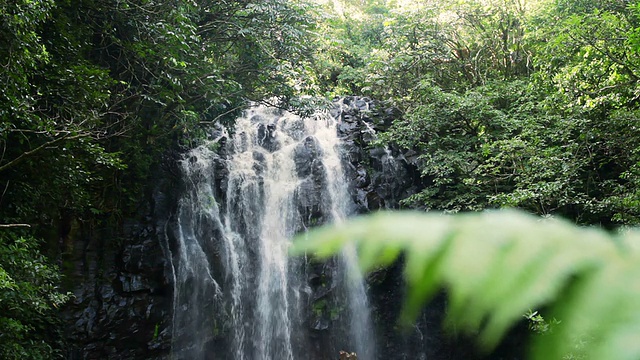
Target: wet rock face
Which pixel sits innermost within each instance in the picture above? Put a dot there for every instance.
(379, 177)
(308, 162)
(122, 277)
(266, 137)
(307, 157)
(121, 285)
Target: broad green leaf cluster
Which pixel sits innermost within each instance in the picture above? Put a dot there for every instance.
(496, 265)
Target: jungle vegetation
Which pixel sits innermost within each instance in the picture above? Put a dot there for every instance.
(507, 104)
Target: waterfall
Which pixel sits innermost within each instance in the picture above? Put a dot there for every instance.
(247, 194)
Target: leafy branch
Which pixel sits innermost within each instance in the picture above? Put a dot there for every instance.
(495, 266)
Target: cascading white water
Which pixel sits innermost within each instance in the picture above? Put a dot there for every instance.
(280, 172)
(360, 319)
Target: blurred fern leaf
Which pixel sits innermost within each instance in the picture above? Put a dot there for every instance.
(497, 265)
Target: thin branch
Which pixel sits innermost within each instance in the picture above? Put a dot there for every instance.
(604, 51)
(221, 115)
(4, 149)
(26, 154)
(4, 192)
(14, 225)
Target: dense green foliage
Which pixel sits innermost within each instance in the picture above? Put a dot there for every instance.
(29, 298)
(521, 104)
(518, 104)
(496, 265)
(93, 93)
(94, 87)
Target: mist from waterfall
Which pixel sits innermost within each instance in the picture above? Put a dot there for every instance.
(247, 194)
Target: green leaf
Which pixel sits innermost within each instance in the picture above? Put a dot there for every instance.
(497, 265)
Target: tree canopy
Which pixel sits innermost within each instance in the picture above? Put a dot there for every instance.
(507, 104)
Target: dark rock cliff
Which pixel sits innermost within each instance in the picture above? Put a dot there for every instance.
(121, 281)
(122, 278)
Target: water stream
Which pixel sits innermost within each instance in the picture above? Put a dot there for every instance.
(247, 195)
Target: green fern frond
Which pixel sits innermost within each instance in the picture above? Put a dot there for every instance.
(495, 266)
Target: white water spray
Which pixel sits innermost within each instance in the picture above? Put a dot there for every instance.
(280, 171)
